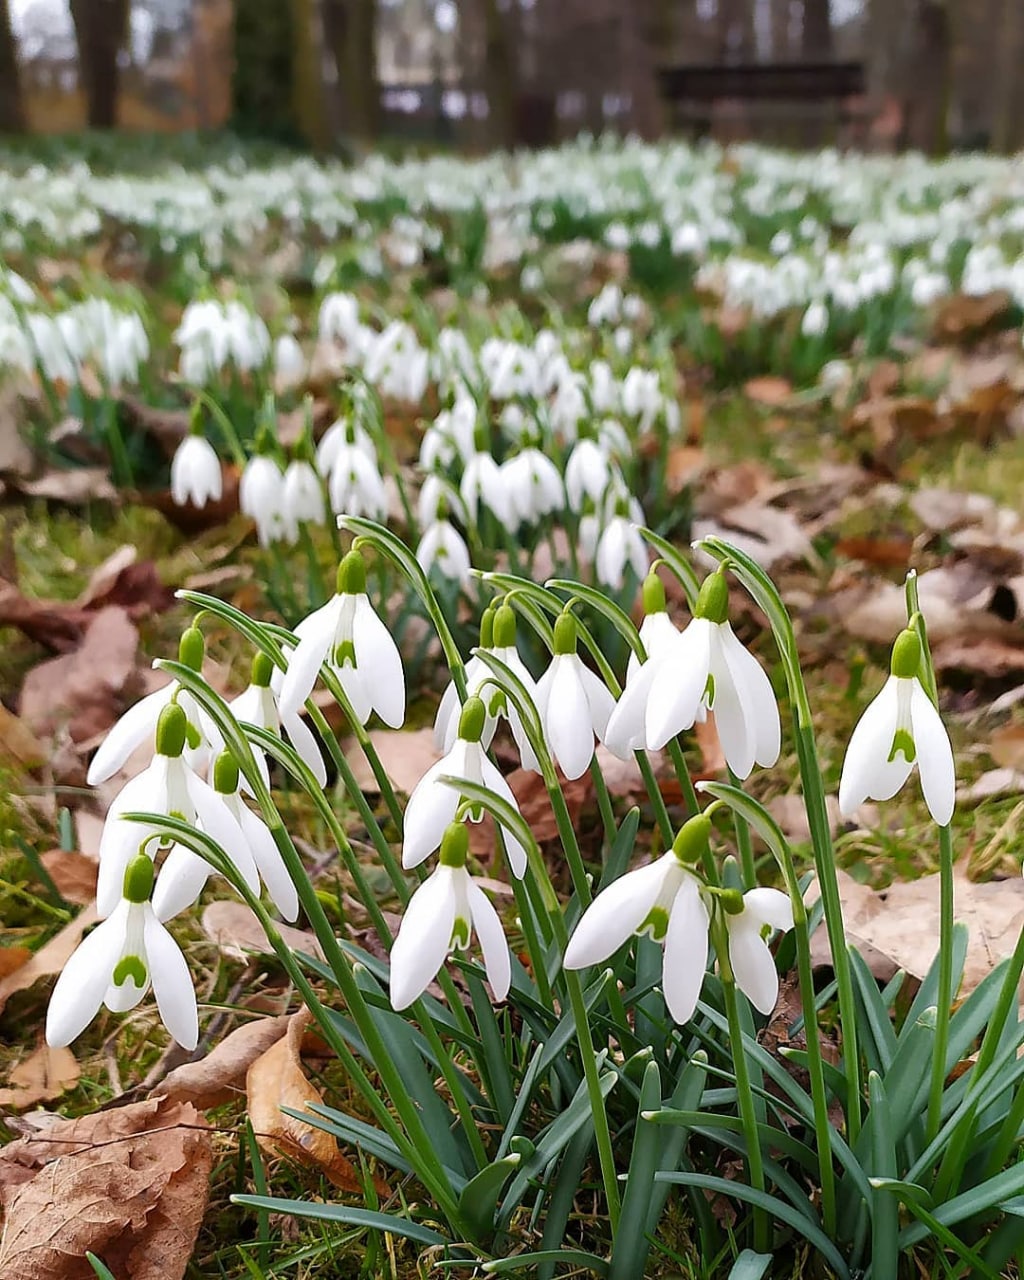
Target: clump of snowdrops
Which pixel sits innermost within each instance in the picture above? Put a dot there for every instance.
(511, 1056)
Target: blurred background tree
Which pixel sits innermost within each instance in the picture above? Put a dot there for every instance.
(339, 74)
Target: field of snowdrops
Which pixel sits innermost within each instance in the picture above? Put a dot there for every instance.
(595, 493)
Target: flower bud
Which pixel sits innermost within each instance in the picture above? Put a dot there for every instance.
(261, 671)
(472, 720)
(906, 655)
(565, 634)
(192, 649)
(352, 575)
(455, 845)
(713, 598)
(653, 594)
(171, 731)
(505, 627)
(138, 879)
(487, 627)
(225, 774)
(692, 842)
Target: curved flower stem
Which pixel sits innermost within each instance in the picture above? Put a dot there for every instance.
(944, 995)
(744, 845)
(675, 754)
(767, 596)
(744, 1095)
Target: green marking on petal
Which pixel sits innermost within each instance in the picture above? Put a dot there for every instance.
(709, 693)
(130, 967)
(655, 924)
(497, 704)
(345, 654)
(903, 742)
(461, 931)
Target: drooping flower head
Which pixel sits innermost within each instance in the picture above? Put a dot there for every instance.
(441, 917)
(750, 918)
(119, 961)
(347, 634)
(664, 900)
(195, 468)
(573, 704)
(900, 729)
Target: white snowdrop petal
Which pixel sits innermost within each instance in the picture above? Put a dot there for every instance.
(381, 663)
(755, 689)
(270, 864)
(493, 781)
(934, 757)
(599, 700)
(867, 770)
(424, 938)
(567, 724)
(180, 881)
(493, 944)
(431, 808)
(315, 640)
(731, 717)
(616, 914)
(625, 730)
(304, 742)
(172, 984)
(752, 964)
(684, 669)
(83, 981)
(133, 729)
(686, 951)
(769, 906)
(216, 820)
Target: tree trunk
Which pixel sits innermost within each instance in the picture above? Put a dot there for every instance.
(500, 74)
(12, 119)
(1007, 132)
(309, 99)
(350, 31)
(101, 28)
(929, 77)
(817, 31)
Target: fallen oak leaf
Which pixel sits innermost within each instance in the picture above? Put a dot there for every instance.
(130, 1185)
(41, 1077)
(220, 1076)
(235, 929)
(276, 1080)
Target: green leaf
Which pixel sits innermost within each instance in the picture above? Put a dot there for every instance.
(564, 1188)
(100, 1268)
(479, 1199)
(631, 1246)
(345, 1214)
(622, 850)
(589, 1262)
(884, 1209)
(778, 1209)
(599, 602)
(498, 807)
(750, 1265)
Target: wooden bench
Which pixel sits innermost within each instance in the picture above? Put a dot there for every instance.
(694, 92)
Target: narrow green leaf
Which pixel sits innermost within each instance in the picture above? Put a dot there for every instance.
(779, 1209)
(479, 1199)
(885, 1251)
(589, 1262)
(345, 1214)
(631, 1246)
(99, 1267)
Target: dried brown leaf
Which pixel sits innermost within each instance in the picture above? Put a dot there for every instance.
(769, 390)
(74, 874)
(220, 1076)
(82, 690)
(76, 487)
(406, 755)
(275, 1080)
(236, 930)
(18, 742)
(41, 1077)
(1007, 747)
(130, 1185)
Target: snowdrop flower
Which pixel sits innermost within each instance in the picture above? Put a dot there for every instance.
(899, 729)
(482, 481)
(442, 547)
(657, 631)
(195, 471)
(116, 964)
(261, 497)
(441, 916)
(183, 874)
(167, 786)
(339, 434)
(354, 482)
(339, 317)
(257, 705)
(303, 496)
(498, 637)
(433, 803)
(620, 544)
(587, 474)
(663, 900)
(749, 958)
(534, 485)
(138, 724)
(289, 362)
(708, 668)
(347, 634)
(572, 703)
(815, 320)
(435, 499)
